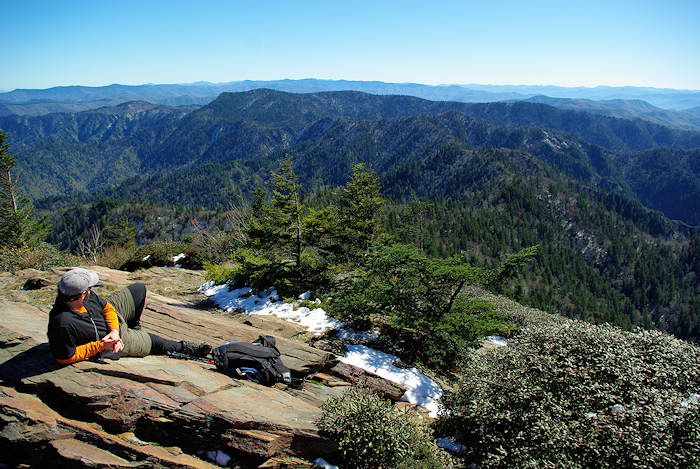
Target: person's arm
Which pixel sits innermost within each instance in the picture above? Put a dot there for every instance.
(110, 315)
(83, 352)
(64, 348)
(112, 341)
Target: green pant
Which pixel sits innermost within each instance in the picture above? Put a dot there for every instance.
(136, 343)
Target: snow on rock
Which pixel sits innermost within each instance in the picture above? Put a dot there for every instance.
(178, 257)
(146, 258)
(693, 399)
(351, 335)
(420, 389)
(267, 304)
(218, 456)
(617, 409)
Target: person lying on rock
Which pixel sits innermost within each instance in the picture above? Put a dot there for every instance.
(83, 325)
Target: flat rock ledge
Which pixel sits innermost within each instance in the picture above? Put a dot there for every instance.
(156, 411)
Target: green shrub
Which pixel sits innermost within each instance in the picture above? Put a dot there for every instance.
(445, 342)
(577, 395)
(479, 317)
(217, 273)
(262, 272)
(419, 299)
(372, 433)
(156, 254)
(41, 257)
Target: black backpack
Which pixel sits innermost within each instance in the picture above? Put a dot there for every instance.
(258, 361)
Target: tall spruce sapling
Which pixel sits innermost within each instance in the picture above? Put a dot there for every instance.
(283, 239)
(17, 224)
(302, 243)
(360, 208)
(277, 224)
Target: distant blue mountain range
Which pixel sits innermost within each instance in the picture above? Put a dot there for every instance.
(193, 93)
(670, 107)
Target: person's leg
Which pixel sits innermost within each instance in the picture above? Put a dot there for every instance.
(129, 303)
(123, 302)
(138, 294)
(161, 346)
(136, 343)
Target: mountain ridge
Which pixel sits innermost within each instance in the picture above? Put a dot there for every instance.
(37, 102)
(497, 177)
(142, 138)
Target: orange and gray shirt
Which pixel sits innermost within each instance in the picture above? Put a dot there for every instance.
(74, 335)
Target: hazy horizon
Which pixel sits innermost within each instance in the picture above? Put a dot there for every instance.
(548, 43)
(505, 85)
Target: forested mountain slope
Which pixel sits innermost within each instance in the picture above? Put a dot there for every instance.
(604, 257)
(65, 153)
(496, 177)
(626, 109)
(329, 132)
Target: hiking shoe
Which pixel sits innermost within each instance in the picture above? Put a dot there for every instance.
(201, 349)
(220, 358)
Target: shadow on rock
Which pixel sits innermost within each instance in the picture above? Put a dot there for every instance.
(34, 361)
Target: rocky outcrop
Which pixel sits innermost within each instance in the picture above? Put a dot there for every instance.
(155, 411)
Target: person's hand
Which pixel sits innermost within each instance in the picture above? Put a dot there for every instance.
(113, 342)
(114, 345)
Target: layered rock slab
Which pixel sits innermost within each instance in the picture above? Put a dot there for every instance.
(173, 402)
(35, 434)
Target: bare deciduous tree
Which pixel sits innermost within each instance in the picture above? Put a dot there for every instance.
(92, 246)
(237, 218)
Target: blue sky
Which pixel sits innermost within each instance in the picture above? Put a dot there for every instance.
(94, 43)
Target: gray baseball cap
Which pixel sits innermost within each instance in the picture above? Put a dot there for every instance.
(77, 281)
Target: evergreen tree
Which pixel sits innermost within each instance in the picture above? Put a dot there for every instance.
(361, 205)
(277, 224)
(122, 234)
(17, 223)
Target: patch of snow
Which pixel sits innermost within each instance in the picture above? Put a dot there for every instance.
(497, 340)
(451, 445)
(617, 409)
(146, 258)
(267, 304)
(420, 389)
(322, 463)
(178, 257)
